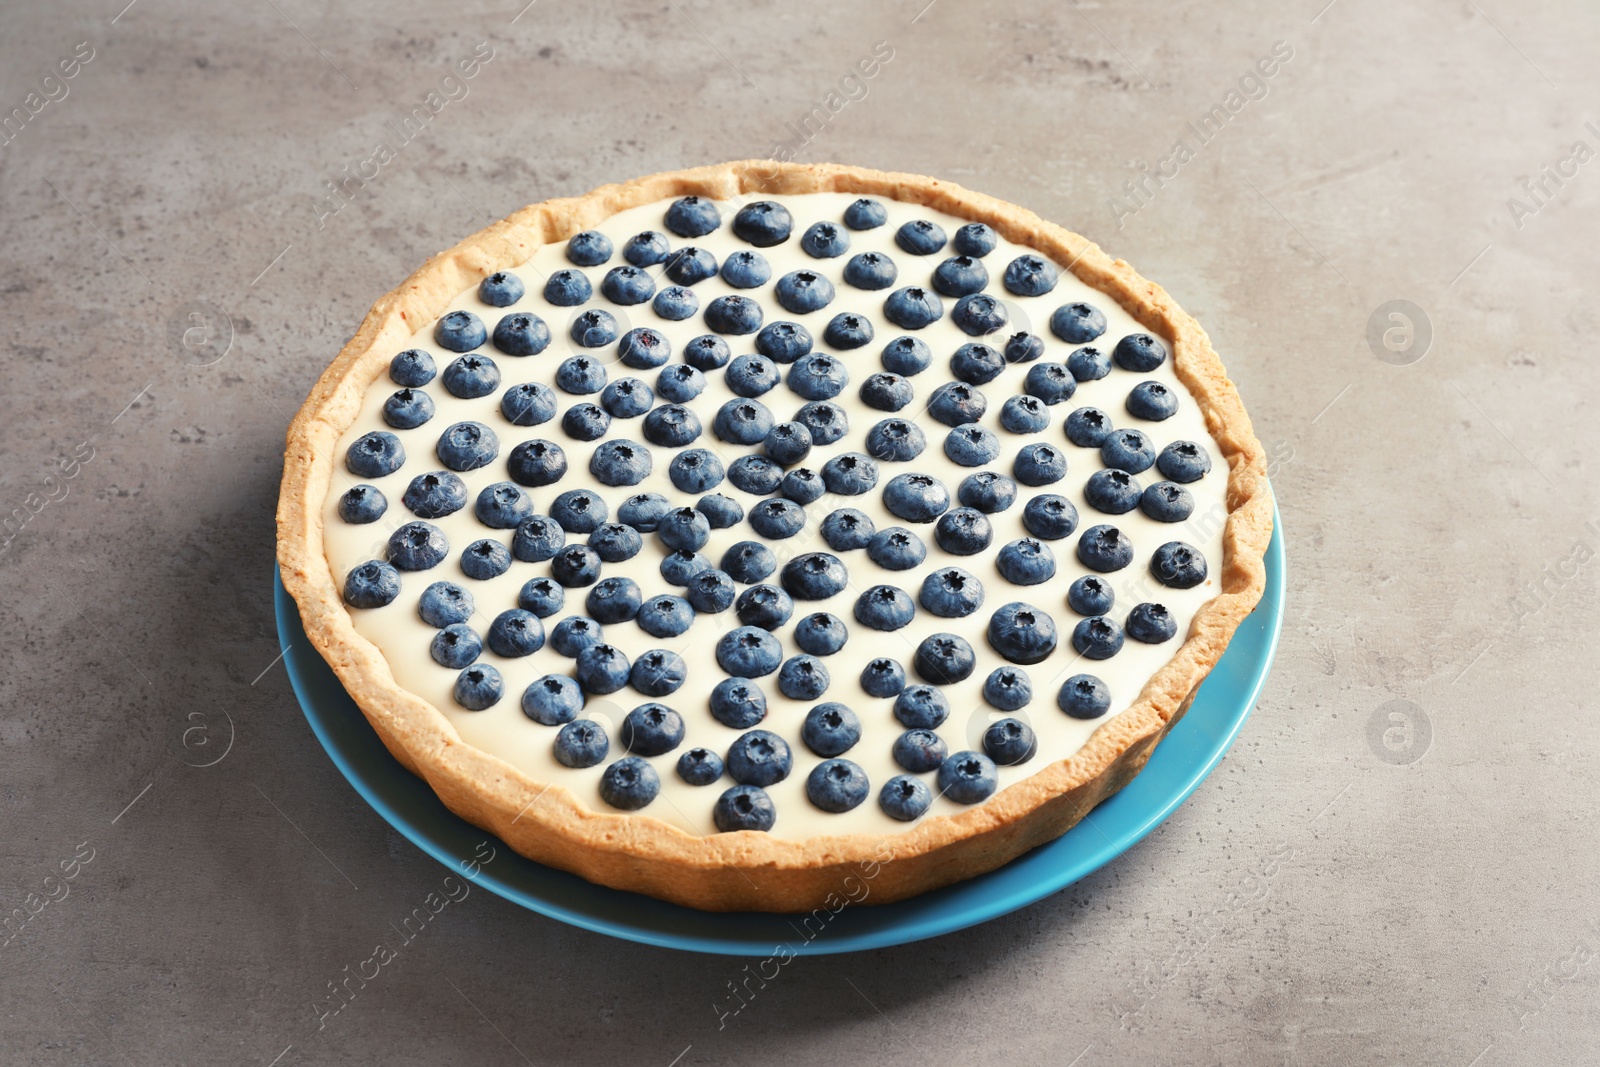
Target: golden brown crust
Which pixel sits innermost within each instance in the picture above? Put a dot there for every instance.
(751, 871)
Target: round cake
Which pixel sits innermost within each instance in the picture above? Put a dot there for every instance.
(725, 533)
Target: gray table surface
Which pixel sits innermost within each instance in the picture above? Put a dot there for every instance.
(1395, 863)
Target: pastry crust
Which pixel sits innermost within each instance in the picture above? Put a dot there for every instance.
(749, 870)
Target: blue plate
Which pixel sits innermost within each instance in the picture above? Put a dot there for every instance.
(1181, 762)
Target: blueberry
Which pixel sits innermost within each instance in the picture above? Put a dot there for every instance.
(1139, 352)
(502, 506)
(684, 530)
(580, 375)
(921, 707)
(883, 677)
(1089, 364)
(912, 307)
(821, 634)
(919, 751)
(987, 491)
(824, 240)
(907, 356)
(529, 404)
(589, 248)
(707, 352)
(852, 474)
(1077, 324)
(1151, 624)
(759, 757)
(802, 485)
(905, 798)
(720, 511)
(579, 511)
(651, 730)
(1023, 347)
(614, 542)
(629, 784)
(371, 585)
(689, 265)
(680, 383)
(1128, 450)
(408, 409)
(1031, 275)
(755, 474)
(1097, 637)
(1088, 427)
(920, 237)
(896, 441)
(976, 364)
(1050, 517)
(521, 334)
(362, 504)
(763, 224)
(744, 807)
(814, 576)
(537, 539)
(553, 700)
(575, 633)
(803, 678)
(471, 376)
(802, 292)
(784, 342)
(1010, 742)
(826, 421)
(710, 592)
(675, 303)
(693, 216)
(581, 743)
(963, 532)
(1167, 502)
(1049, 382)
(751, 376)
(478, 687)
(644, 511)
(1026, 561)
(643, 349)
(613, 600)
(957, 403)
(568, 289)
(626, 399)
(445, 604)
(594, 328)
(601, 669)
(485, 559)
(700, 766)
(871, 271)
(372, 455)
(575, 566)
(665, 616)
(620, 463)
(1112, 491)
(1104, 549)
(671, 426)
(542, 596)
(1022, 633)
(536, 463)
(516, 632)
(846, 528)
(968, 777)
(460, 331)
(627, 286)
(1024, 414)
(886, 391)
(960, 276)
(748, 562)
(1177, 565)
(646, 249)
(765, 606)
(586, 422)
(971, 445)
(896, 549)
(916, 497)
(742, 422)
(1083, 696)
(746, 270)
(951, 593)
(818, 377)
(1152, 401)
(865, 214)
(1007, 688)
(975, 239)
(748, 652)
(846, 331)
(412, 369)
(787, 443)
(1184, 461)
(837, 785)
(1039, 464)
(885, 608)
(416, 546)
(695, 471)
(738, 704)
(979, 315)
(1090, 595)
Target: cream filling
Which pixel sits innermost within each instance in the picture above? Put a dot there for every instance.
(399, 632)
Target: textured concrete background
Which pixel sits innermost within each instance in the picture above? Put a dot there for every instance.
(1362, 881)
